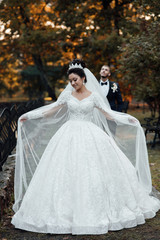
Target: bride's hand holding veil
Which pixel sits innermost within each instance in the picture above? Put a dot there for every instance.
(23, 119)
(132, 120)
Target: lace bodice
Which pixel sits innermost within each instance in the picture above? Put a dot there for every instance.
(81, 109)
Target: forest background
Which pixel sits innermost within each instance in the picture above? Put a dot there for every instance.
(40, 37)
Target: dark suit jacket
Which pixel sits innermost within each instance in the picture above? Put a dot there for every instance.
(114, 97)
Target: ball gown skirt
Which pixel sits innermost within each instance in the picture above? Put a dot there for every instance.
(83, 184)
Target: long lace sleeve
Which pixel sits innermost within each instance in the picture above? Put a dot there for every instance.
(100, 105)
(61, 101)
(117, 117)
(47, 111)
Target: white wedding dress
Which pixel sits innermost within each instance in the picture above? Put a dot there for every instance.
(83, 184)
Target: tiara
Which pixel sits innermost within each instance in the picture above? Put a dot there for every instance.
(77, 65)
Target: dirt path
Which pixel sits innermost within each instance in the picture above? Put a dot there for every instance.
(148, 231)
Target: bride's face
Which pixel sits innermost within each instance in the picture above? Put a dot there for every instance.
(76, 81)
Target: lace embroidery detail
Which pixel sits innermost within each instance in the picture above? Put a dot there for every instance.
(63, 97)
(99, 103)
(80, 110)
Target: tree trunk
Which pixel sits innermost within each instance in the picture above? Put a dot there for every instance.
(106, 3)
(116, 17)
(38, 62)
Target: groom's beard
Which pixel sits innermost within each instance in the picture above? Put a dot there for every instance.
(104, 76)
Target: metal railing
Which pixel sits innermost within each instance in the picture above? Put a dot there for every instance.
(152, 125)
(8, 125)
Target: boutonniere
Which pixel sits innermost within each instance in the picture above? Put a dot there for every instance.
(114, 88)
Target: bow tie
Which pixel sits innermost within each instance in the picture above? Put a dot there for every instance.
(105, 83)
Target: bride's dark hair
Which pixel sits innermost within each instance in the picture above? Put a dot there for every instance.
(78, 71)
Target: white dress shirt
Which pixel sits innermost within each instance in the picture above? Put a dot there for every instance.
(105, 88)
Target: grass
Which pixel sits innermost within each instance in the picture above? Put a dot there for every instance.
(154, 159)
(139, 113)
(154, 153)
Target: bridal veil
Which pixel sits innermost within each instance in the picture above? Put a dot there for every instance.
(42, 123)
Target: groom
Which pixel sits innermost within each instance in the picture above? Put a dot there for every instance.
(110, 89)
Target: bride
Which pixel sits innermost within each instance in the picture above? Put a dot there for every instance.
(72, 174)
